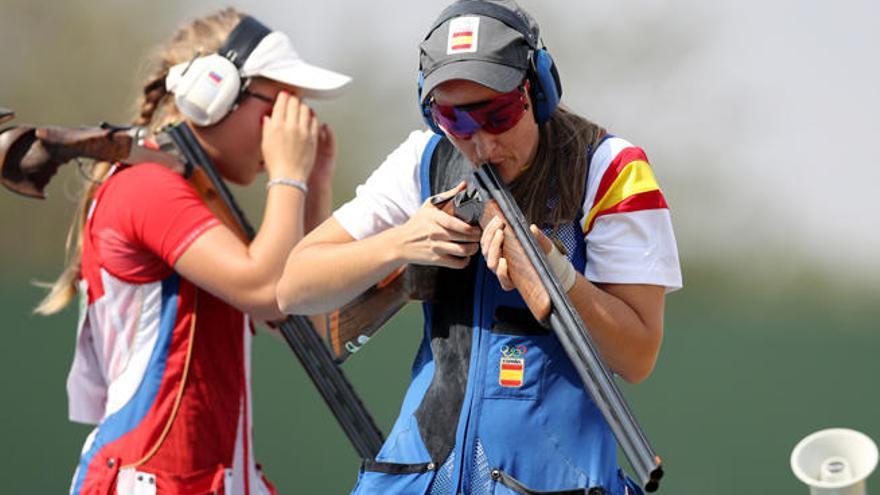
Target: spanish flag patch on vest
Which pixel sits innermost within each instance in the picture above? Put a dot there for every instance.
(512, 367)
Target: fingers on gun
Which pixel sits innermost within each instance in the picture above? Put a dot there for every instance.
(458, 230)
(447, 195)
(452, 254)
(492, 245)
(503, 276)
(452, 241)
(492, 239)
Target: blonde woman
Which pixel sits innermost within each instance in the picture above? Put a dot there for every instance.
(162, 361)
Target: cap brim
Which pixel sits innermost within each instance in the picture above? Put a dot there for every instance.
(274, 58)
(314, 81)
(500, 77)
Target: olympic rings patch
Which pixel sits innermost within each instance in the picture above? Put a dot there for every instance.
(513, 352)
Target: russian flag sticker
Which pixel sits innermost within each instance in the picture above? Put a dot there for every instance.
(215, 77)
(463, 35)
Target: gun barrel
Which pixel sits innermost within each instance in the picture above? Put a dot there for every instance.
(568, 326)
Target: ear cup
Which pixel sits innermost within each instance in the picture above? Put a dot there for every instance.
(205, 89)
(546, 86)
(425, 107)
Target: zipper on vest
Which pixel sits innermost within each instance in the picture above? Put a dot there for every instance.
(475, 383)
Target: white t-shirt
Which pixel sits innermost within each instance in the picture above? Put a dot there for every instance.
(626, 220)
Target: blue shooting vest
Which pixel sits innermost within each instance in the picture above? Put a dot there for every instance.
(494, 406)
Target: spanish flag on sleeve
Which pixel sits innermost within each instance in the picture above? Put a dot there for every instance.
(626, 222)
(627, 185)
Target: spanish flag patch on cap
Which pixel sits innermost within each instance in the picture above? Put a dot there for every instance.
(463, 35)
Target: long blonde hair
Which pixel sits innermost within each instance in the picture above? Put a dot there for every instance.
(155, 108)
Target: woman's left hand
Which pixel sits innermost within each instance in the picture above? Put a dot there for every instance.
(492, 246)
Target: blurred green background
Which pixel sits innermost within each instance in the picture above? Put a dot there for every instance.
(754, 117)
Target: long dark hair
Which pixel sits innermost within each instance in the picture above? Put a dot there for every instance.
(550, 191)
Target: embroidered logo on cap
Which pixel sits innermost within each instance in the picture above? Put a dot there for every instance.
(512, 367)
(463, 35)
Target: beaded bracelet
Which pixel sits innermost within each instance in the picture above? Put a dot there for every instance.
(288, 182)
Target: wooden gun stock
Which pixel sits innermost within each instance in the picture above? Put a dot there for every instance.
(522, 273)
(348, 328)
(30, 156)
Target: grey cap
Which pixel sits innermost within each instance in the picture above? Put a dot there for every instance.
(484, 41)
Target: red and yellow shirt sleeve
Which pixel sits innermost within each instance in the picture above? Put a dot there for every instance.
(626, 220)
(628, 184)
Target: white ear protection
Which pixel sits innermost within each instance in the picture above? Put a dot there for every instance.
(207, 88)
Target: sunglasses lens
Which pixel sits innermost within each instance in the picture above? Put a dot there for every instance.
(496, 116)
(503, 116)
(456, 122)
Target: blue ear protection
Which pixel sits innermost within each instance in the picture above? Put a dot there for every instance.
(546, 88)
(545, 84)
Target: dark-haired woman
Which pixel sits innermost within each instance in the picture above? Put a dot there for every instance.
(494, 405)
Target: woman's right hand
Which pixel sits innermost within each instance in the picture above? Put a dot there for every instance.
(433, 237)
(290, 138)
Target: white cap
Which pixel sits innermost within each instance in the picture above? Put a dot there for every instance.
(274, 58)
